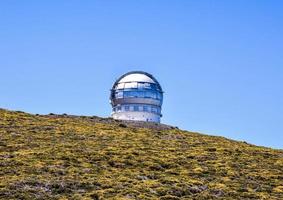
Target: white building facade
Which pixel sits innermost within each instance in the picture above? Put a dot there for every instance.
(137, 96)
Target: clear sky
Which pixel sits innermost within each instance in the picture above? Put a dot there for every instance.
(220, 62)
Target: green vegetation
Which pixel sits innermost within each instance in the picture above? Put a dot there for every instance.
(69, 157)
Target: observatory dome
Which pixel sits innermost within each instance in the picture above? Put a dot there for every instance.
(136, 78)
(137, 96)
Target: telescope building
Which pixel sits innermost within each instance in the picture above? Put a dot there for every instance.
(137, 96)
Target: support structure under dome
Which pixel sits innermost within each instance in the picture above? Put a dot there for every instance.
(137, 96)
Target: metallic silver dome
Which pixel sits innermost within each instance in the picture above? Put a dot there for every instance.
(137, 96)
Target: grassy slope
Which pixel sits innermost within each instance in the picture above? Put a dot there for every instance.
(61, 157)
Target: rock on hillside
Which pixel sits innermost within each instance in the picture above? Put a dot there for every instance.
(70, 157)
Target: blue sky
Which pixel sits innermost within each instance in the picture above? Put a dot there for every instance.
(219, 62)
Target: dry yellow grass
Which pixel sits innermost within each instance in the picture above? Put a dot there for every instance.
(68, 157)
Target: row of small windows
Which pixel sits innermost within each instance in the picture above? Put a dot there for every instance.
(137, 108)
(136, 85)
(138, 94)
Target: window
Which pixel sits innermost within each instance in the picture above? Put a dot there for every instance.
(134, 85)
(147, 94)
(153, 86)
(131, 85)
(119, 108)
(145, 108)
(120, 86)
(144, 85)
(153, 95)
(150, 94)
(119, 95)
(135, 94)
(127, 108)
(147, 85)
(140, 85)
(136, 108)
(141, 94)
(153, 109)
(126, 94)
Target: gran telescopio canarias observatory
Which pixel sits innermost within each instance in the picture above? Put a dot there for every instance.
(137, 96)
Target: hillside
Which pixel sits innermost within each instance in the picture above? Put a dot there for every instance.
(71, 157)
